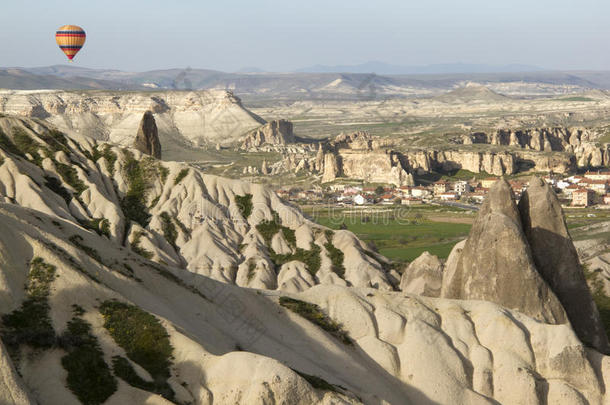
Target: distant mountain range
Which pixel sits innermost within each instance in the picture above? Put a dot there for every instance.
(366, 81)
(389, 69)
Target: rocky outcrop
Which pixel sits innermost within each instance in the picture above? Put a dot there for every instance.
(147, 139)
(179, 215)
(204, 117)
(278, 132)
(374, 166)
(496, 163)
(331, 168)
(557, 261)
(496, 263)
(423, 276)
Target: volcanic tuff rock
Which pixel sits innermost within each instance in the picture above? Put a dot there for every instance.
(278, 132)
(423, 276)
(198, 117)
(147, 139)
(557, 261)
(496, 263)
(169, 212)
(227, 344)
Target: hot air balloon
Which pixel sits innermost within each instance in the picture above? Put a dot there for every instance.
(70, 39)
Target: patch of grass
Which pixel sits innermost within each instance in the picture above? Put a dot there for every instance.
(89, 377)
(77, 241)
(27, 145)
(576, 98)
(268, 229)
(317, 382)
(596, 285)
(135, 246)
(311, 258)
(133, 204)
(101, 226)
(244, 204)
(336, 255)
(123, 369)
(399, 236)
(110, 157)
(290, 236)
(56, 141)
(70, 176)
(314, 314)
(141, 335)
(169, 229)
(31, 324)
(251, 269)
(181, 175)
(163, 173)
(9, 146)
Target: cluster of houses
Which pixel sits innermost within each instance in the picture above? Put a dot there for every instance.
(590, 188)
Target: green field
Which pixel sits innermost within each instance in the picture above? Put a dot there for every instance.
(398, 233)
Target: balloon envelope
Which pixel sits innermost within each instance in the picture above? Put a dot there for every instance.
(70, 39)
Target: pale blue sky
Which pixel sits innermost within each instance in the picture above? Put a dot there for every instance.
(286, 35)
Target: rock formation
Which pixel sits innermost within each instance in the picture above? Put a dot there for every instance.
(174, 214)
(557, 261)
(147, 139)
(423, 276)
(278, 132)
(197, 117)
(169, 266)
(496, 263)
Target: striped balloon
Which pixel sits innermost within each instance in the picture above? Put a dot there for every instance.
(70, 39)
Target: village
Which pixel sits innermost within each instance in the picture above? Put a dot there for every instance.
(591, 189)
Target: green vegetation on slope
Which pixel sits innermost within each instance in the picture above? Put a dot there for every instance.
(336, 255)
(180, 176)
(244, 204)
(135, 246)
(31, 324)
(134, 202)
(143, 338)
(169, 229)
(601, 299)
(314, 314)
(89, 377)
(310, 257)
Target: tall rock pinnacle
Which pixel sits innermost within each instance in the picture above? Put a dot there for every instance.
(147, 139)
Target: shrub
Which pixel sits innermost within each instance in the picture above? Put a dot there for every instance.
(110, 157)
(133, 204)
(314, 314)
(290, 236)
(31, 324)
(135, 246)
(141, 335)
(26, 144)
(181, 175)
(70, 176)
(336, 255)
(101, 226)
(89, 377)
(163, 173)
(268, 229)
(602, 301)
(311, 258)
(244, 204)
(123, 369)
(169, 229)
(8, 145)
